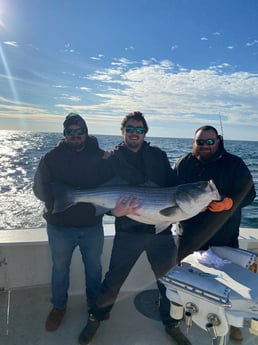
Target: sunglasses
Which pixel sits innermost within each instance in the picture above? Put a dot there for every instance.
(78, 131)
(201, 142)
(131, 129)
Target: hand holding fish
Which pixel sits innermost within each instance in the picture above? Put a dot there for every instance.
(223, 205)
(125, 207)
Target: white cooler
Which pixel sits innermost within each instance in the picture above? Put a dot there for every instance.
(215, 289)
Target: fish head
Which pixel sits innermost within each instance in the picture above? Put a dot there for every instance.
(212, 189)
(192, 198)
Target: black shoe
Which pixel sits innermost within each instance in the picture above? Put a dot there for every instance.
(177, 336)
(89, 330)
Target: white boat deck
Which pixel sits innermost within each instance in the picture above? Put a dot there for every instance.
(22, 323)
(24, 308)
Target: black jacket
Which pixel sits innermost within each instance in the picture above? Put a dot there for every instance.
(150, 165)
(84, 169)
(233, 179)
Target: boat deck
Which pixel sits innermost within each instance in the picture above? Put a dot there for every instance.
(23, 313)
(25, 298)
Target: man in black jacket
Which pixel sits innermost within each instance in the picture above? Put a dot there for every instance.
(210, 160)
(136, 162)
(75, 161)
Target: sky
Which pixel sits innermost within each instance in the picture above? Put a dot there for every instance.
(182, 63)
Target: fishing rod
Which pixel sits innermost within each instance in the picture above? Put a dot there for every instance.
(221, 128)
(221, 136)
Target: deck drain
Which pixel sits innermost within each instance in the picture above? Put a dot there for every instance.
(147, 303)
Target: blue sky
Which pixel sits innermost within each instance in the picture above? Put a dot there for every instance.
(183, 63)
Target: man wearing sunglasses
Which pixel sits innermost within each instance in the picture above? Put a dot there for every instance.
(210, 160)
(137, 162)
(75, 161)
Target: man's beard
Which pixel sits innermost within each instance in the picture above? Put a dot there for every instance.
(77, 146)
(207, 156)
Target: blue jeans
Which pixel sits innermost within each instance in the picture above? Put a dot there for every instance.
(62, 243)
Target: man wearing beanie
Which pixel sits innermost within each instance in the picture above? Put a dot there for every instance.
(75, 161)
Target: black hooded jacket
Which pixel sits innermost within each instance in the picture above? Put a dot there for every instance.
(232, 179)
(83, 169)
(148, 166)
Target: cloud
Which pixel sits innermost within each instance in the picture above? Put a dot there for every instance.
(59, 86)
(174, 47)
(122, 62)
(166, 91)
(74, 98)
(83, 88)
(11, 43)
(129, 48)
(13, 108)
(250, 44)
(68, 49)
(98, 57)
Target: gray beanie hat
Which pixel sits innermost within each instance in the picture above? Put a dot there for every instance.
(75, 119)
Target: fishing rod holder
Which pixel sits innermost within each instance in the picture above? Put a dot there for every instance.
(190, 309)
(213, 322)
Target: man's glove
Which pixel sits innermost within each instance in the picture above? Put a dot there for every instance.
(223, 205)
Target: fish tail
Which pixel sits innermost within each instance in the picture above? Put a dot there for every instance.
(63, 197)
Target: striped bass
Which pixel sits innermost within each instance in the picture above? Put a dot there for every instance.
(160, 206)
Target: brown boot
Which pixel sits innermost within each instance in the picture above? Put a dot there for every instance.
(235, 333)
(54, 319)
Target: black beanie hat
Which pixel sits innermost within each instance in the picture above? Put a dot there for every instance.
(74, 119)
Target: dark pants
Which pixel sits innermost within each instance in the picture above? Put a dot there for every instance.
(161, 253)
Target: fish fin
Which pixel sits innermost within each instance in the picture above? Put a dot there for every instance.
(169, 211)
(162, 226)
(62, 197)
(117, 180)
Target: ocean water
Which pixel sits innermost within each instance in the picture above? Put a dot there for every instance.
(20, 153)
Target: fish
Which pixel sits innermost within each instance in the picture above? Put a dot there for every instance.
(209, 224)
(160, 206)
